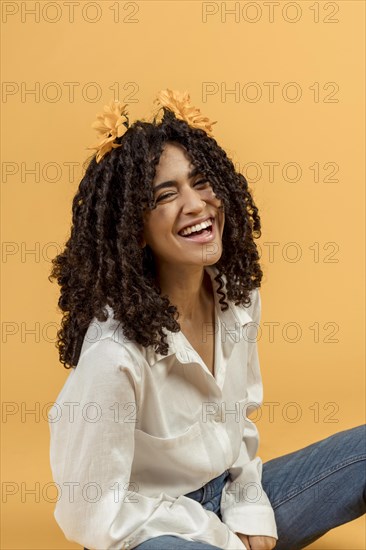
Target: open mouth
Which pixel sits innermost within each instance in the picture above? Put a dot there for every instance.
(205, 231)
(201, 234)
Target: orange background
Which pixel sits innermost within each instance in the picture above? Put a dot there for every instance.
(129, 51)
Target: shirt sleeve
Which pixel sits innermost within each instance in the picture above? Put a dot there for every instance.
(245, 507)
(91, 454)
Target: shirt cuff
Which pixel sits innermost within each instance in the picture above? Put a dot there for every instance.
(253, 520)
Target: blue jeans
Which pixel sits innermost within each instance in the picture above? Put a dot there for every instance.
(312, 490)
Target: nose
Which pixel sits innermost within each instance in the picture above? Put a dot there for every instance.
(193, 200)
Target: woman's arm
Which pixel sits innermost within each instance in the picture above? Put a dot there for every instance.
(92, 452)
(245, 507)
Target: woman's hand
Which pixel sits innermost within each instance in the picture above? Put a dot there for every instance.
(257, 542)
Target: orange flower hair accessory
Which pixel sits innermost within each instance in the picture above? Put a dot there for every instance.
(179, 104)
(114, 122)
(110, 124)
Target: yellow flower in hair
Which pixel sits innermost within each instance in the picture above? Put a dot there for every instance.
(179, 104)
(110, 125)
(114, 122)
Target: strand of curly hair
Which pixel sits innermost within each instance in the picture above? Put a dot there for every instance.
(102, 262)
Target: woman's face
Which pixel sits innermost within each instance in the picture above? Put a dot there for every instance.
(181, 201)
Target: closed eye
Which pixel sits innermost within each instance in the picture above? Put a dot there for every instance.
(201, 181)
(166, 195)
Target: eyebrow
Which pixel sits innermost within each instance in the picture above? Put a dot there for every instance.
(168, 183)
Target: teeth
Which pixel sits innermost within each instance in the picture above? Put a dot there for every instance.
(192, 228)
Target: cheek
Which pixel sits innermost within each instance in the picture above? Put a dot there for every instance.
(156, 227)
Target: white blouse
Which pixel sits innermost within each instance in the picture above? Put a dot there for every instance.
(132, 431)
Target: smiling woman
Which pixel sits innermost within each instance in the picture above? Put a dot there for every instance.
(159, 287)
(179, 228)
(125, 226)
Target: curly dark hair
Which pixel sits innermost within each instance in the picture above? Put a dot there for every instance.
(103, 263)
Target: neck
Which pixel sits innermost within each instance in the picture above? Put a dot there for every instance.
(189, 289)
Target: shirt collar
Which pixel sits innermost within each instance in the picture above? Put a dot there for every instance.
(230, 318)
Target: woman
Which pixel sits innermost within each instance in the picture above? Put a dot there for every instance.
(151, 446)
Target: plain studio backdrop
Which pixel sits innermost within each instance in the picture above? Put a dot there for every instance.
(285, 81)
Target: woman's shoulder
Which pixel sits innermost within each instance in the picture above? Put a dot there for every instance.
(106, 361)
(109, 335)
